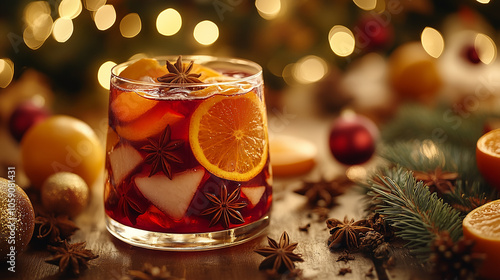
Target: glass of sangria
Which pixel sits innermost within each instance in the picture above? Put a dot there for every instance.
(187, 156)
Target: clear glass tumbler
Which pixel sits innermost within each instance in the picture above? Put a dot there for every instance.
(187, 156)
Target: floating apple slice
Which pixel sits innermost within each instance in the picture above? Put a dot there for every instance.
(291, 156)
(171, 196)
(123, 160)
(143, 69)
(129, 105)
(253, 193)
(149, 124)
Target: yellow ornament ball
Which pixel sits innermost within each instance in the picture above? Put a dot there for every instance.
(413, 74)
(61, 143)
(65, 193)
(17, 220)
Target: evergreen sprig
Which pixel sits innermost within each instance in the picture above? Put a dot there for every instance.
(417, 214)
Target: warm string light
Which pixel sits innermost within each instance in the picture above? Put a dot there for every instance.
(130, 25)
(206, 32)
(105, 17)
(486, 48)
(62, 30)
(169, 22)
(366, 5)
(341, 40)
(432, 41)
(104, 73)
(268, 9)
(6, 72)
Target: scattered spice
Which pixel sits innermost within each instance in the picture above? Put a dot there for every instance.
(437, 180)
(370, 240)
(150, 272)
(225, 207)
(279, 256)
(382, 251)
(345, 234)
(71, 258)
(369, 273)
(345, 256)
(323, 192)
(52, 229)
(160, 153)
(305, 228)
(180, 74)
(344, 271)
(378, 223)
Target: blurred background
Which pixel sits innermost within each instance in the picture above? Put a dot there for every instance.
(319, 56)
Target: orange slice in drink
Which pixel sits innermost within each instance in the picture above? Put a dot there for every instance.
(228, 136)
(488, 157)
(483, 226)
(144, 68)
(129, 105)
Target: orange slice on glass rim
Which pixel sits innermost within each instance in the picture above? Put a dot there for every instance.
(228, 136)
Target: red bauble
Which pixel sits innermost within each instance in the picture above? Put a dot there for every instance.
(25, 116)
(470, 53)
(373, 32)
(352, 139)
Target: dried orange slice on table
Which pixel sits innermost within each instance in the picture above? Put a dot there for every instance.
(488, 157)
(228, 136)
(483, 226)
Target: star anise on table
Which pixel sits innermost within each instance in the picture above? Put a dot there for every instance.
(280, 257)
(71, 258)
(150, 272)
(225, 207)
(345, 234)
(51, 229)
(178, 74)
(323, 192)
(437, 180)
(161, 153)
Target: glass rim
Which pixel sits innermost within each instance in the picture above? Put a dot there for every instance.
(199, 59)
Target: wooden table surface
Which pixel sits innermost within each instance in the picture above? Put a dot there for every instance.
(289, 212)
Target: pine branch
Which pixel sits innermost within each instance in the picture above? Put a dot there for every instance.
(467, 196)
(417, 214)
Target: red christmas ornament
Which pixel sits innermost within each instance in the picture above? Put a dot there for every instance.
(25, 116)
(352, 138)
(373, 32)
(470, 53)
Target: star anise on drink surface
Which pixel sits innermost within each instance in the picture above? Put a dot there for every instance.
(323, 192)
(71, 258)
(180, 74)
(150, 272)
(52, 229)
(225, 207)
(161, 153)
(279, 256)
(437, 180)
(345, 234)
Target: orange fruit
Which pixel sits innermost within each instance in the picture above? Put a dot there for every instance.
(228, 136)
(488, 157)
(61, 143)
(483, 226)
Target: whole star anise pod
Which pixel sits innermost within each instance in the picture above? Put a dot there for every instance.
(437, 180)
(178, 74)
(160, 153)
(225, 207)
(150, 272)
(323, 192)
(52, 229)
(280, 257)
(71, 258)
(345, 234)
(130, 202)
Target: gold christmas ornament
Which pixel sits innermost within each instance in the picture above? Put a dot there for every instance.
(17, 220)
(65, 193)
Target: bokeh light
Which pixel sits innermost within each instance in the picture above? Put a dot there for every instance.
(310, 69)
(206, 32)
(6, 72)
(486, 48)
(70, 8)
(104, 74)
(483, 1)
(34, 10)
(432, 41)
(105, 17)
(367, 5)
(168, 22)
(94, 5)
(63, 29)
(341, 40)
(268, 9)
(130, 25)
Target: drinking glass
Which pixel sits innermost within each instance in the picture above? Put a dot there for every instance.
(187, 156)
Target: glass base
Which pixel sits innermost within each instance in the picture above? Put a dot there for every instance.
(186, 241)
